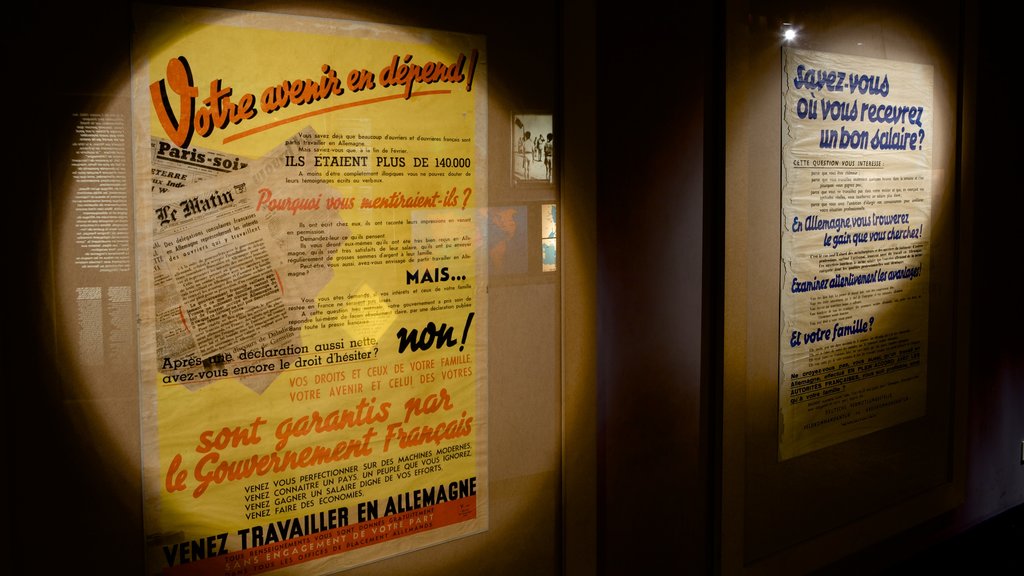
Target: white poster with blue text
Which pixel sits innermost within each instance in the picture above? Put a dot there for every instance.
(856, 215)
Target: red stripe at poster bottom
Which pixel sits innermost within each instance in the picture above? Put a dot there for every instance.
(330, 542)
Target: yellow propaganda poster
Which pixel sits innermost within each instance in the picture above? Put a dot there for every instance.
(312, 290)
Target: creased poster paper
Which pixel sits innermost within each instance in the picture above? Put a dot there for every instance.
(312, 284)
(856, 207)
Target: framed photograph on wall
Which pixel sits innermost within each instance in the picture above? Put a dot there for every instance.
(533, 157)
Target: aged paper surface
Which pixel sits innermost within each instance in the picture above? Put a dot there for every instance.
(856, 209)
(312, 287)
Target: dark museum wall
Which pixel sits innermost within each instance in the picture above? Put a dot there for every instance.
(659, 146)
(653, 68)
(996, 422)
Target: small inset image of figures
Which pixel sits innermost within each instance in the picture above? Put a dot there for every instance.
(532, 149)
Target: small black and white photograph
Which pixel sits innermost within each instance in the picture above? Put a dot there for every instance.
(533, 143)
